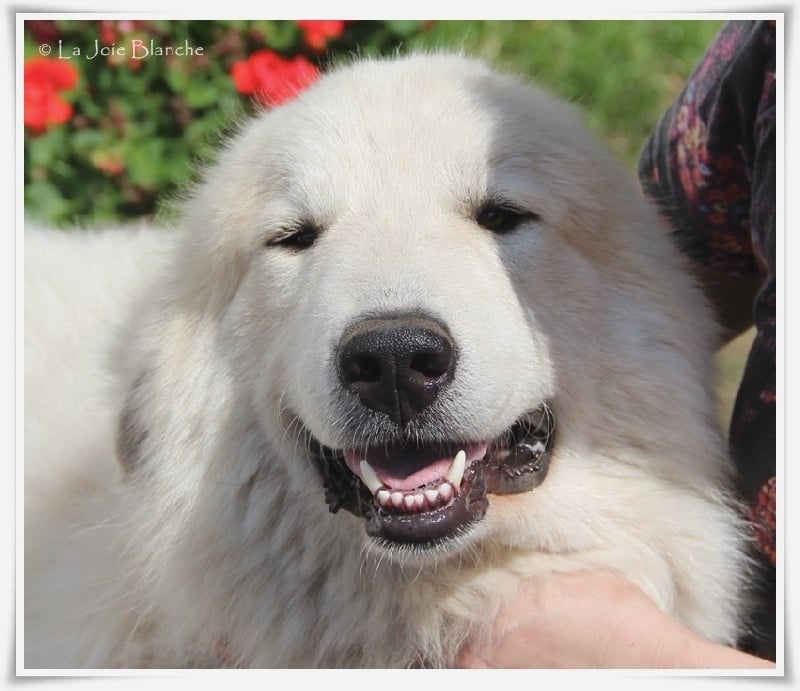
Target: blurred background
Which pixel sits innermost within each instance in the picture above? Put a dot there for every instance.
(120, 114)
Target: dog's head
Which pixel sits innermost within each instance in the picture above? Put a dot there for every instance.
(412, 265)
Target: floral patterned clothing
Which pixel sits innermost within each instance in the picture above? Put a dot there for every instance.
(710, 166)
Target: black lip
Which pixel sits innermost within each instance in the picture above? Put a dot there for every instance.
(516, 462)
(529, 451)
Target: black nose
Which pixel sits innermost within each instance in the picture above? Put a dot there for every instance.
(396, 365)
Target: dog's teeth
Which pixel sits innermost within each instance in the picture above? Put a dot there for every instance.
(421, 499)
(456, 472)
(370, 477)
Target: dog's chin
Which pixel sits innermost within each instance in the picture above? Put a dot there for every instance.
(429, 498)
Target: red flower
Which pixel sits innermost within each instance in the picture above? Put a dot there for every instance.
(109, 162)
(273, 79)
(45, 79)
(112, 31)
(316, 32)
(108, 32)
(43, 30)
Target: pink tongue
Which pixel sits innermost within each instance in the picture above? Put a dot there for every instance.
(408, 469)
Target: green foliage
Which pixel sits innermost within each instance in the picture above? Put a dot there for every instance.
(142, 121)
(140, 126)
(623, 74)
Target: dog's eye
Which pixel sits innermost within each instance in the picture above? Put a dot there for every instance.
(501, 218)
(301, 237)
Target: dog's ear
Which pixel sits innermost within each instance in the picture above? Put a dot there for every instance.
(131, 430)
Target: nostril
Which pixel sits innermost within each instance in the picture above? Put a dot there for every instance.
(432, 365)
(361, 368)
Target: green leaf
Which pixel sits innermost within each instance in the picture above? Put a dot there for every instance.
(45, 148)
(43, 200)
(201, 94)
(177, 77)
(144, 160)
(280, 35)
(84, 141)
(404, 27)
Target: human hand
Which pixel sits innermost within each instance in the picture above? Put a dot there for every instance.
(595, 619)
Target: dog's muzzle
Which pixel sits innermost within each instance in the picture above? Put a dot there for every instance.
(411, 492)
(412, 511)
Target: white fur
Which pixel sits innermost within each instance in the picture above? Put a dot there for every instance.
(220, 347)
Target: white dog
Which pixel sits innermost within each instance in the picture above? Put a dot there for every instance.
(417, 338)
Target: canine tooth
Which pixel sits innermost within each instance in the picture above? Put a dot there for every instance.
(370, 477)
(397, 499)
(432, 496)
(456, 471)
(446, 491)
(383, 496)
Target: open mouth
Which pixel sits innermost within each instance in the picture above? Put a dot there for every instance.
(426, 494)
